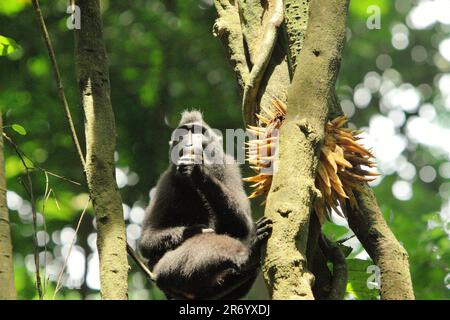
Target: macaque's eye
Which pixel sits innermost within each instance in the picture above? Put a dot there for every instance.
(198, 129)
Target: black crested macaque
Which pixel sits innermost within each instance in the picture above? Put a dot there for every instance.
(198, 234)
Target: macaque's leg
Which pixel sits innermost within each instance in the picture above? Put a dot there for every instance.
(243, 289)
(229, 283)
(154, 242)
(242, 280)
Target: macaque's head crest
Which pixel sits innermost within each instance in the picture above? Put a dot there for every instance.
(191, 116)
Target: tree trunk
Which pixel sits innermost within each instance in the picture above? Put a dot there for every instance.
(292, 194)
(93, 80)
(242, 27)
(7, 289)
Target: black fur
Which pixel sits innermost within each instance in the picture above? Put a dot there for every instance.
(198, 235)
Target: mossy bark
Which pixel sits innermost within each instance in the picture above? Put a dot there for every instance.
(240, 26)
(380, 243)
(296, 22)
(313, 65)
(7, 288)
(292, 194)
(93, 80)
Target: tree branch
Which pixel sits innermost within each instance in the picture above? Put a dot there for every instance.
(339, 279)
(28, 186)
(228, 29)
(59, 84)
(296, 21)
(245, 28)
(266, 45)
(380, 243)
(372, 231)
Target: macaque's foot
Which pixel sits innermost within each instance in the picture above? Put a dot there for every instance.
(263, 229)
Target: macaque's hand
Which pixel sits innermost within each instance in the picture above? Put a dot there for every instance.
(188, 163)
(185, 170)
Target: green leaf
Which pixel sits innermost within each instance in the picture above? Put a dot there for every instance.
(19, 129)
(7, 46)
(359, 275)
(334, 231)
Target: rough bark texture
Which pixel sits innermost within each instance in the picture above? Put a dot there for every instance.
(228, 29)
(7, 289)
(240, 26)
(293, 192)
(93, 79)
(296, 21)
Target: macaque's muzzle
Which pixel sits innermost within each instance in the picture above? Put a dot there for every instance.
(188, 149)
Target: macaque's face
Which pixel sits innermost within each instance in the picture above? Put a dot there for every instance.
(194, 143)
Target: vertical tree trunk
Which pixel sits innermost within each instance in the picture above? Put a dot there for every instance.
(7, 289)
(312, 64)
(93, 80)
(292, 194)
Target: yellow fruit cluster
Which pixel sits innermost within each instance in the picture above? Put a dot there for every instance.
(341, 165)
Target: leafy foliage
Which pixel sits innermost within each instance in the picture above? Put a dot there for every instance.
(360, 286)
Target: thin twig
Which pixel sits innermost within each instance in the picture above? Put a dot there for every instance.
(44, 203)
(141, 264)
(61, 273)
(29, 190)
(57, 75)
(58, 176)
(35, 166)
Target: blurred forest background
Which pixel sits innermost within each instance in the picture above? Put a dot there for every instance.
(394, 83)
